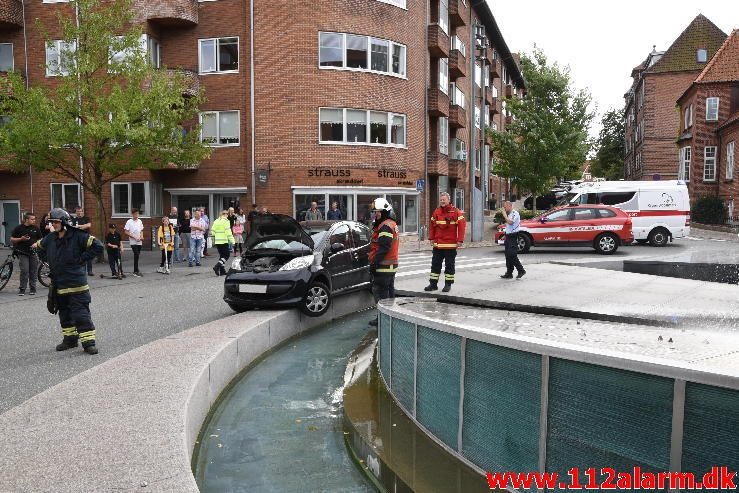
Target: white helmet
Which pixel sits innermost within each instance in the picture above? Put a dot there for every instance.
(380, 204)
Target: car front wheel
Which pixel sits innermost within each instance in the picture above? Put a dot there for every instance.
(523, 243)
(606, 244)
(316, 300)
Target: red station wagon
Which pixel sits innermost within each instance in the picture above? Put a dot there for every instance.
(601, 227)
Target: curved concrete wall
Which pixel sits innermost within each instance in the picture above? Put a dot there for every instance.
(502, 401)
(133, 421)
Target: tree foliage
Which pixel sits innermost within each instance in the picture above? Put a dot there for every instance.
(609, 157)
(548, 137)
(107, 112)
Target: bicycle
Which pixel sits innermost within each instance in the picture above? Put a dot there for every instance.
(42, 273)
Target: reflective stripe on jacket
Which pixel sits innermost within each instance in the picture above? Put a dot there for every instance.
(221, 231)
(385, 247)
(447, 227)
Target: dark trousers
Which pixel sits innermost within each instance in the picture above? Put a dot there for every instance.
(113, 256)
(448, 257)
(223, 253)
(166, 255)
(75, 318)
(89, 267)
(511, 254)
(383, 286)
(136, 252)
(29, 270)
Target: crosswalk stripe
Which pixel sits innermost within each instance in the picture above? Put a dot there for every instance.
(425, 271)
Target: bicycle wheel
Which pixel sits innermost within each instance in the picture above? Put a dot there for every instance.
(6, 270)
(43, 274)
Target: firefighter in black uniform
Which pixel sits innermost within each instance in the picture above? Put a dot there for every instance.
(67, 250)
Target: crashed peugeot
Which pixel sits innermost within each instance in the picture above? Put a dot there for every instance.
(287, 264)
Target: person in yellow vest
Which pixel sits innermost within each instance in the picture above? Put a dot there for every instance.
(223, 239)
(384, 251)
(165, 240)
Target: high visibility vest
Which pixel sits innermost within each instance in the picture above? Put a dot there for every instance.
(390, 262)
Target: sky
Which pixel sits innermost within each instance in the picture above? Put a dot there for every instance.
(601, 41)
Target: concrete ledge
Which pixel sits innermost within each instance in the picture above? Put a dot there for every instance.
(130, 424)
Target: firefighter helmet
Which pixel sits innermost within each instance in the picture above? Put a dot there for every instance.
(60, 215)
(380, 204)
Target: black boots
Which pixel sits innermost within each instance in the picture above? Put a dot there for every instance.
(91, 349)
(447, 287)
(67, 343)
(219, 268)
(431, 287)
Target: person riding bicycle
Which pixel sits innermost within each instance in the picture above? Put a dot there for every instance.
(67, 250)
(23, 237)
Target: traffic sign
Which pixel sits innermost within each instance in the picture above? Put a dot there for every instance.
(420, 184)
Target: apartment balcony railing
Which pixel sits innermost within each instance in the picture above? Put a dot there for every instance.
(438, 102)
(190, 78)
(438, 41)
(495, 68)
(174, 13)
(11, 14)
(489, 97)
(496, 105)
(457, 116)
(509, 90)
(457, 64)
(438, 163)
(459, 12)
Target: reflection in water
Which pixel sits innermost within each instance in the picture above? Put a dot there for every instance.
(389, 445)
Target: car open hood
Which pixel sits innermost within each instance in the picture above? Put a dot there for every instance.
(266, 227)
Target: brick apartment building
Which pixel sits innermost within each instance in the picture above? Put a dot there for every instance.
(709, 127)
(651, 120)
(337, 100)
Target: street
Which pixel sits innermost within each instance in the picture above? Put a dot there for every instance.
(133, 312)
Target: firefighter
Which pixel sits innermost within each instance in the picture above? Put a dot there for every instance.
(67, 250)
(446, 233)
(383, 255)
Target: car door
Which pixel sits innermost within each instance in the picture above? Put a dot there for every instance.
(584, 226)
(361, 238)
(553, 228)
(340, 262)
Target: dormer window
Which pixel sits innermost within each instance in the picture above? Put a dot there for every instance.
(701, 55)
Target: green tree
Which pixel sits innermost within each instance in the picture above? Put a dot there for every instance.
(548, 137)
(609, 158)
(108, 111)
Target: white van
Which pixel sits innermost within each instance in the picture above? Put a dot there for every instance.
(659, 210)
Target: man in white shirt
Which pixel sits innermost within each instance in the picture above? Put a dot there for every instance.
(512, 225)
(134, 229)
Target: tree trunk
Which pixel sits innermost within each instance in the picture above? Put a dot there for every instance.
(533, 202)
(100, 229)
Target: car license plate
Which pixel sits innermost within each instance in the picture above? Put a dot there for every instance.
(501, 241)
(252, 288)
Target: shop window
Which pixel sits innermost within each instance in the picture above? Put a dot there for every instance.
(65, 195)
(410, 214)
(219, 55)
(6, 57)
(303, 203)
(364, 209)
(345, 206)
(396, 200)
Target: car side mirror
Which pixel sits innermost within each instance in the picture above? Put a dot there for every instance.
(336, 247)
(542, 220)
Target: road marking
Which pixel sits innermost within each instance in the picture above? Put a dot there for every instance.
(425, 271)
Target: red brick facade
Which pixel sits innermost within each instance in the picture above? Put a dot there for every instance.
(279, 152)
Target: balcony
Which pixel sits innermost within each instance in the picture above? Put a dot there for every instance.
(508, 120)
(457, 116)
(509, 90)
(495, 69)
(438, 41)
(168, 13)
(11, 14)
(489, 97)
(495, 106)
(438, 163)
(190, 78)
(457, 64)
(459, 12)
(458, 170)
(438, 102)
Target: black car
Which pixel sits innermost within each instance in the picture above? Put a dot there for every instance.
(286, 263)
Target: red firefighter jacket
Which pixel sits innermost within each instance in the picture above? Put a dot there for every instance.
(447, 227)
(384, 247)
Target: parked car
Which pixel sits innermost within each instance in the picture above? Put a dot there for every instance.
(543, 202)
(659, 210)
(287, 264)
(601, 227)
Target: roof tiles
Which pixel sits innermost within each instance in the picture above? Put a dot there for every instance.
(681, 55)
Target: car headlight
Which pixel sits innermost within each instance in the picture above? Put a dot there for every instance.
(236, 264)
(298, 263)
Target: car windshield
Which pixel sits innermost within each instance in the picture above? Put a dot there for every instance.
(293, 246)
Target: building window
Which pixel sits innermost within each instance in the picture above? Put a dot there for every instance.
(65, 195)
(712, 109)
(59, 57)
(457, 95)
(349, 51)
(459, 150)
(153, 50)
(386, 129)
(478, 75)
(477, 116)
(458, 45)
(730, 160)
(443, 135)
(684, 170)
(688, 117)
(6, 57)
(709, 163)
(459, 198)
(444, 15)
(701, 56)
(444, 75)
(397, 3)
(219, 55)
(220, 128)
(144, 196)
